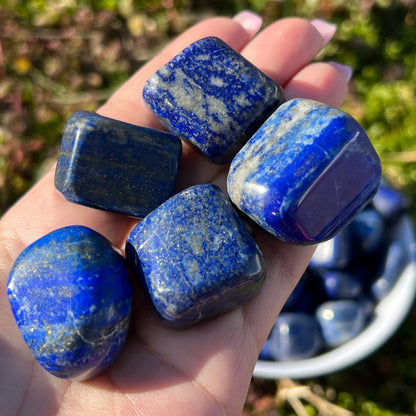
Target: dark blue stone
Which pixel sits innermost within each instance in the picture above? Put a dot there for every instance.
(295, 336)
(367, 230)
(71, 295)
(340, 321)
(390, 203)
(195, 257)
(115, 166)
(341, 285)
(395, 262)
(213, 97)
(265, 352)
(305, 173)
(337, 252)
(304, 296)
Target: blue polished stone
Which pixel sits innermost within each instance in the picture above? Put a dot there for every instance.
(265, 352)
(213, 97)
(337, 252)
(115, 166)
(305, 173)
(71, 295)
(305, 295)
(341, 285)
(340, 321)
(194, 257)
(367, 230)
(395, 262)
(390, 203)
(295, 336)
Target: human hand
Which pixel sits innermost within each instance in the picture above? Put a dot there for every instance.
(204, 370)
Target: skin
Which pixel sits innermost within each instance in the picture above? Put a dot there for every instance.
(205, 370)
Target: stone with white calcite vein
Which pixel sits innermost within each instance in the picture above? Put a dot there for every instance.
(213, 97)
(305, 173)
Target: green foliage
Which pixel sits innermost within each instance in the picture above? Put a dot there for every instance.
(362, 407)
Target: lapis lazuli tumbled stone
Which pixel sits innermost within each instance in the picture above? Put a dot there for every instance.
(336, 252)
(71, 295)
(368, 231)
(213, 97)
(305, 173)
(390, 203)
(295, 336)
(306, 294)
(339, 284)
(340, 321)
(194, 257)
(115, 166)
(395, 262)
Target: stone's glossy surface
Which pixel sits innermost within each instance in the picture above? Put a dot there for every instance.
(115, 166)
(295, 336)
(213, 97)
(305, 173)
(340, 320)
(390, 203)
(334, 253)
(395, 262)
(341, 285)
(367, 230)
(265, 353)
(195, 257)
(71, 295)
(305, 296)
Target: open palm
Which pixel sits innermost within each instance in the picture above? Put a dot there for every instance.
(204, 370)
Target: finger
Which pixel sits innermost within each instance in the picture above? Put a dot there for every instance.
(321, 82)
(283, 48)
(285, 264)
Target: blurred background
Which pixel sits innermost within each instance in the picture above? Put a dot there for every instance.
(57, 57)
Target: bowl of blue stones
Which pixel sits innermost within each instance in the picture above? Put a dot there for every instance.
(303, 171)
(355, 293)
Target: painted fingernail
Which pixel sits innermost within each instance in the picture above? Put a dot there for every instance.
(250, 21)
(344, 70)
(326, 29)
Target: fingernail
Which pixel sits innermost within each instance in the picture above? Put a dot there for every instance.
(250, 21)
(344, 70)
(327, 30)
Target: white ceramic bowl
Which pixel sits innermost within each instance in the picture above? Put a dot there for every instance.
(389, 314)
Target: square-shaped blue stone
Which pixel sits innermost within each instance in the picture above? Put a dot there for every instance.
(71, 295)
(305, 173)
(194, 257)
(115, 166)
(213, 97)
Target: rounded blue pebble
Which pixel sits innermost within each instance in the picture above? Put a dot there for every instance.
(368, 230)
(295, 336)
(71, 296)
(305, 173)
(213, 97)
(339, 284)
(396, 260)
(194, 257)
(340, 320)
